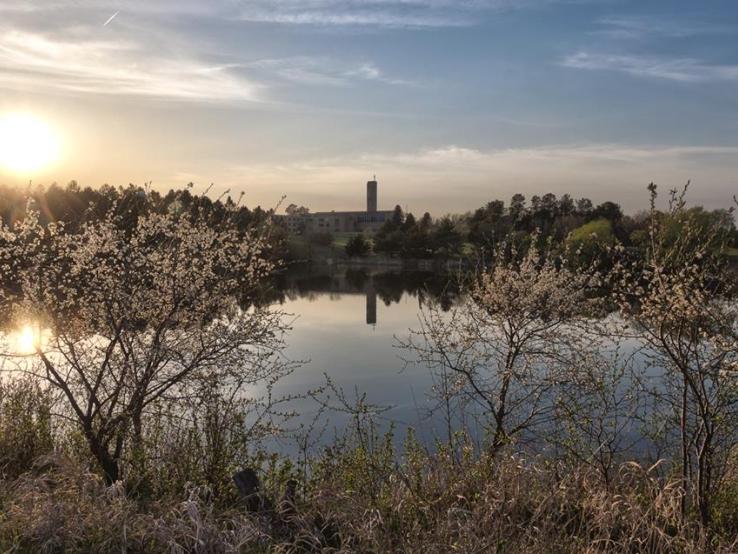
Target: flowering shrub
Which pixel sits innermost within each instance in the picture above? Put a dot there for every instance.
(138, 315)
(498, 347)
(681, 301)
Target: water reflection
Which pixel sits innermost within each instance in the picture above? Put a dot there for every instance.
(346, 325)
(22, 339)
(373, 284)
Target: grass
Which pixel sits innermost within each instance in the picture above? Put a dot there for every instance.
(359, 495)
(341, 239)
(360, 500)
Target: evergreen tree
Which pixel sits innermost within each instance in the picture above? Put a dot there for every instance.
(358, 247)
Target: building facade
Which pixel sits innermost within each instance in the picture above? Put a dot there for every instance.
(368, 221)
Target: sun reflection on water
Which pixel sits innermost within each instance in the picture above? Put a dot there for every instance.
(26, 339)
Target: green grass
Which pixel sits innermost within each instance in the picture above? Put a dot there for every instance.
(340, 239)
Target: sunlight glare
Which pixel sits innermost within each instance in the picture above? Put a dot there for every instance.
(27, 339)
(27, 143)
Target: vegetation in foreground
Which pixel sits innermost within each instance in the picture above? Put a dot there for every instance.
(123, 423)
(359, 500)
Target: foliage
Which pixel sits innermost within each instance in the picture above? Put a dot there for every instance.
(25, 425)
(404, 236)
(498, 348)
(680, 299)
(140, 313)
(591, 240)
(358, 246)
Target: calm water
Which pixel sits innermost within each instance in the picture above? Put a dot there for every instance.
(345, 326)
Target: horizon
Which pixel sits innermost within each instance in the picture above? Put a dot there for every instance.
(450, 104)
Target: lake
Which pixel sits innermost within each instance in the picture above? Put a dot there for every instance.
(346, 324)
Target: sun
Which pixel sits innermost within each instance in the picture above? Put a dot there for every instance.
(27, 143)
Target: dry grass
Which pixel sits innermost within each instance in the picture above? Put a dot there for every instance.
(359, 502)
(356, 497)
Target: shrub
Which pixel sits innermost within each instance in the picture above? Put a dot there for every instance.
(357, 246)
(25, 425)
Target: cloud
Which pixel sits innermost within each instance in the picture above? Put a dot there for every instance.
(108, 66)
(373, 18)
(458, 178)
(318, 71)
(629, 27)
(382, 13)
(83, 47)
(413, 14)
(673, 69)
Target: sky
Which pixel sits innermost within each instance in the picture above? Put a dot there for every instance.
(450, 103)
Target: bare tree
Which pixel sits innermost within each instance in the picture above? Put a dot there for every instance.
(140, 314)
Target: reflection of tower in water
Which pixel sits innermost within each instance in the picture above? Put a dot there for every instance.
(371, 304)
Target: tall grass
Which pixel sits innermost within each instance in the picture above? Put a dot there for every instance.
(356, 500)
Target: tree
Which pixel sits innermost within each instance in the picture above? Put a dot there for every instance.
(680, 301)
(446, 240)
(138, 313)
(608, 210)
(294, 209)
(549, 204)
(499, 347)
(489, 225)
(425, 222)
(584, 206)
(390, 239)
(566, 205)
(358, 246)
(409, 223)
(397, 216)
(517, 206)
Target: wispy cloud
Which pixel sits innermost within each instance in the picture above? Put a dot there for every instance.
(318, 71)
(124, 67)
(630, 27)
(556, 157)
(143, 55)
(382, 13)
(322, 13)
(354, 17)
(674, 69)
(107, 66)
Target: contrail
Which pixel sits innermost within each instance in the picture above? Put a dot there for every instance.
(111, 18)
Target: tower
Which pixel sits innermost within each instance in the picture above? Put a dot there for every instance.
(371, 196)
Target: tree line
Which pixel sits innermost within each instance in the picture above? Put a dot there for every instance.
(574, 224)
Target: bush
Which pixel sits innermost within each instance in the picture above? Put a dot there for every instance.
(25, 425)
(358, 246)
(590, 240)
